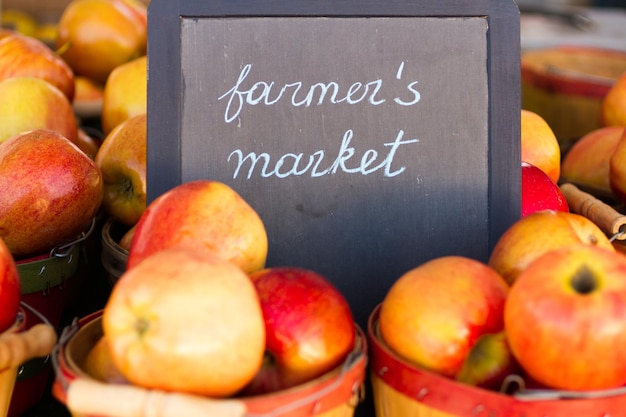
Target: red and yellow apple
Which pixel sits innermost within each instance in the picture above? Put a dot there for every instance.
(10, 288)
(28, 103)
(203, 213)
(122, 161)
(613, 107)
(26, 56)
(89, 144)
(51, 191)
(565, 318)
(539, 145)
(586, 163)
(434, 315)
(125, 93)
(617, 168)
(533, 235)
(539, 192)
(308, 325)
(96, 36)
(186, 320)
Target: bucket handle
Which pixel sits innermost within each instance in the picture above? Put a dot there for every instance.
(65, 249)
(37, 341)
(89, 397)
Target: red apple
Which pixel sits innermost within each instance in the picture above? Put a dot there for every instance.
(185, 320)
(434, 315)
(25, 56)
(28, 103)
(202, 213)
(51, 191)
(10, 288)
(539, 192)
(565, 318)
(308, 324)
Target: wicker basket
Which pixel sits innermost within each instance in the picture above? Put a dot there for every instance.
(335, 394)
(403, 390)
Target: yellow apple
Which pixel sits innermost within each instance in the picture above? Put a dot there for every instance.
(186, 320)
(26, 56)
(533, 235)
(540, 147)
(51, 191)
(125, 93)
(122, 161)
(28, 103)
(99, 364)
(202, 213)
(586, 163)
(96, 36)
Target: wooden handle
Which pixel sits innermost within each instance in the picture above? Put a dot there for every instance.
(90, 397)
(606, 217)
(17, 348)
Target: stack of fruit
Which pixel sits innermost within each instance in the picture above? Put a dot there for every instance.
(197, 311)
(547, 306)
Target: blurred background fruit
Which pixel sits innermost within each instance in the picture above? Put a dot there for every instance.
(125, 93)
(96, 36)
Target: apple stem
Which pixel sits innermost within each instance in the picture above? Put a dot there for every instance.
(142, 325)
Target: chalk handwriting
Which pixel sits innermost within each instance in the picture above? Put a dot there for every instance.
(300, 95)
(316, 164)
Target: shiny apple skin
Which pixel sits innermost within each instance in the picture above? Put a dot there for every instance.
(539, 192)
(51, 191)
(308, 324)
(10, 288)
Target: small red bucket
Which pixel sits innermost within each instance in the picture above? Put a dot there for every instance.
(46, 282)
(401, 389)
(113, 256)
(335, 394)
(23, 342)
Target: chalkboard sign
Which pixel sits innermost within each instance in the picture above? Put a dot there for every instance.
(370, 136)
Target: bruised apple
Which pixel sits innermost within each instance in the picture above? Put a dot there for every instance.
(533, 235)
(26, 56)
(564, 318)
(308, 324)
(539, 192)
(51, 191)
(122, 160)
(28, 103)
(434, 316)
(185, 320)
(10, 288)
(203, 213)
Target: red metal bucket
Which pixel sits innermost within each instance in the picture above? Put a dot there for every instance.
(401, 389)
(335, 394)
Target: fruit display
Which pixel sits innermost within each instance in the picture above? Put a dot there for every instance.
(197, 309)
